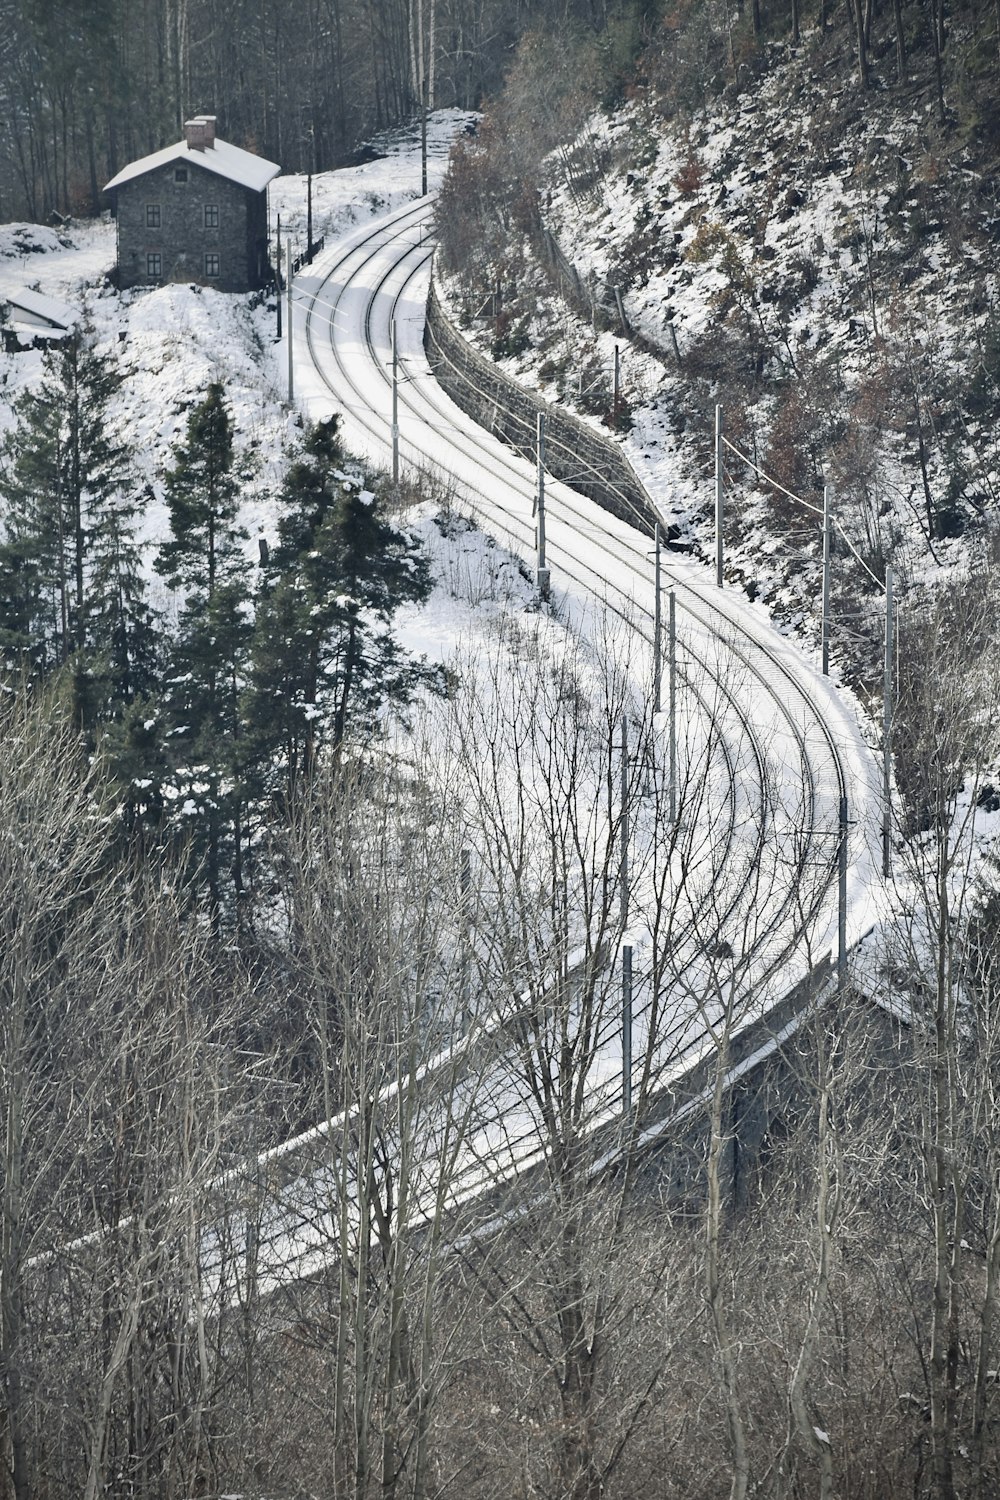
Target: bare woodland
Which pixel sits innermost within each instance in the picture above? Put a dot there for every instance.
(484, 1275)
(86, 89)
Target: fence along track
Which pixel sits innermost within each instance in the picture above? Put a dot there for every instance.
(497, 391)
(484, 393)
(747, 728)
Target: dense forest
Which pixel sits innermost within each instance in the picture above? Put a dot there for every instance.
(265, 875)
(85, 88)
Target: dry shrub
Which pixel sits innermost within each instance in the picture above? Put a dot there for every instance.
(689, 178)
(792, 456)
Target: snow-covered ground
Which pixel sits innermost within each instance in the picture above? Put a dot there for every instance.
(858, 249)
(774, 713)
(171, 342)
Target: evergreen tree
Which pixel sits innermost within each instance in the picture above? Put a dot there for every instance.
(34, 599)
(122, 639)
(201, 694)
(280, 706)
(324, 655)
(202, 491)
(364, 569)
(71, 584)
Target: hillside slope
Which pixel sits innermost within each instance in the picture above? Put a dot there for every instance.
(816, 258)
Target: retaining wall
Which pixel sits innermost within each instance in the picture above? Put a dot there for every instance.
(574, 453)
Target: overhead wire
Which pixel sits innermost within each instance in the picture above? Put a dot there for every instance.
(816, 511)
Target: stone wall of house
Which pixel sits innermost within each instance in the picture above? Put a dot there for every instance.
(186, 220)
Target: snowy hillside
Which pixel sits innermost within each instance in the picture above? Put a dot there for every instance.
(819, 263)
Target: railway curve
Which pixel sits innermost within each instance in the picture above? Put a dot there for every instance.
(789, 744)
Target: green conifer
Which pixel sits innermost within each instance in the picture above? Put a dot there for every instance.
(205, 678)
(71, 583)
(324, 656)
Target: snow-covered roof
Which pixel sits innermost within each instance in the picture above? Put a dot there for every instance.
(59, 314)
(28, 334)
(222, 158)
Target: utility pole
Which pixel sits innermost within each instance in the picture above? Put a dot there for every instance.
(278, 297)
(617, 389)
(395, 409)
(887, 729)
(718, 495)
(423, 129)
(420, 58)
(826, 581)
(626, 1030)
(672, 696)
(309, 216)
(289, 279)
(541, 570)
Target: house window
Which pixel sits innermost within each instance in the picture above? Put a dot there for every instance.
(211, 216)
(154, 266)
(212, 267)
(152, 216)
(180, 174)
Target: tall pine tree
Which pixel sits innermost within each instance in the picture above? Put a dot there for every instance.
(121, 629)
(324, 656)
(201, 698)
(71, 583)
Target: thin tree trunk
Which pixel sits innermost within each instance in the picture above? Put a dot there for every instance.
(897, 15)
(347, 685)
(937, 33)
(15, 1455)
(946, 1198)
(860, 41)
(713, 1284)
(826, 1209)
(76, 498)
(984, 1359)
(101, 1423)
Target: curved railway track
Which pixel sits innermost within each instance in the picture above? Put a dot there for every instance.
(381, 277)
(786, 749)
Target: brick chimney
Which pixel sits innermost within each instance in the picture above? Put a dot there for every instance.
(196, 134)
(209, 123)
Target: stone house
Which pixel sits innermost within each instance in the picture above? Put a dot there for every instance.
(195, 211)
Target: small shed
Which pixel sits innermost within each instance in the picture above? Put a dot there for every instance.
(30, 320)
(195, 211)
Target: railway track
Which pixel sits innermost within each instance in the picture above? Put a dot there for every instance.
(785, 749)
(804, 739)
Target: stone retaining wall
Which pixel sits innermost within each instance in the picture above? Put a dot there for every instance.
(575, 454)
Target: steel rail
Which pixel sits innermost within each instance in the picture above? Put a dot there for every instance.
(612, 543)
(750, 854)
